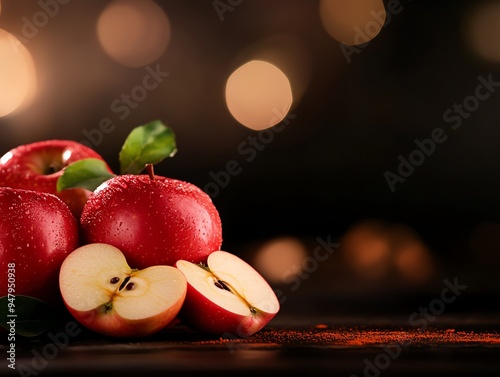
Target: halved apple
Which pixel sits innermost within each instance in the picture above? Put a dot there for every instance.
(226, 297)
(104, 294)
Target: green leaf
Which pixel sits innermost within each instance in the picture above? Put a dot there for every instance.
(146, 144)
(88, 173)
(33, 317)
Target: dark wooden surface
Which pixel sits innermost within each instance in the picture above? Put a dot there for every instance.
(458, 344)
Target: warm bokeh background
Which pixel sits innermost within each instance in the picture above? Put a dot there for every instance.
(320, 174)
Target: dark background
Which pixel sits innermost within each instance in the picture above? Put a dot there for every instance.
(324, 173)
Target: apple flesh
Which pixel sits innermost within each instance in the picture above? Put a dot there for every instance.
(153, 221)
(104, 294)
(37, 166)
(37, 232)
(227, 297)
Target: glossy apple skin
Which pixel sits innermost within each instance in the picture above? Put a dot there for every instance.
(203, 315)
(37, 232)
(27, 167)
(153, 222)
(111, 324)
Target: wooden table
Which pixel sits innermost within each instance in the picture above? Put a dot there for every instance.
(290, 344)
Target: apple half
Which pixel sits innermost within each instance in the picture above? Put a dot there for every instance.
(227, 297)
(104, 294)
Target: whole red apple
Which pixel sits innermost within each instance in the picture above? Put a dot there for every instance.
(38, 166)
(153, 220)
(37, 232)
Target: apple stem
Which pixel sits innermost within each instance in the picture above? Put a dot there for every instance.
(151, 171)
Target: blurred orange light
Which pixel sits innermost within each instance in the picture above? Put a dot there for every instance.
(290, 53)
(366, 249)
(258, 95)
(133, 32)
(483, 31)
(375, 250)
(412, 259)
(17, 74)
(414, 263)
(280, 258)
(352, 22)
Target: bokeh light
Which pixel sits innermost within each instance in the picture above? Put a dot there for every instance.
(287, 51)
(483, 31)
(133, 32)
(17, 74)
(280, 258)
(258, 95)
(366, 249)
(376, 250)
(352, 22)
(412, 259)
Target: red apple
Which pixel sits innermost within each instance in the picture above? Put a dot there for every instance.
(104, 294)
(226, 297)
(37, 232)
(153, 220)
(38, 166)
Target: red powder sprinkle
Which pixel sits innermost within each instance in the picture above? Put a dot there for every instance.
(322, 335)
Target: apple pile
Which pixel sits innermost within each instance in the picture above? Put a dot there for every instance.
(126, 254)
(38, 166)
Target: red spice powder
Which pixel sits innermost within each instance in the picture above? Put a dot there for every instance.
(322, 335)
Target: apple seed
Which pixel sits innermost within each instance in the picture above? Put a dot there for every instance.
(124, 283)
(222, 285)
(130, 286)
(114, 280)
